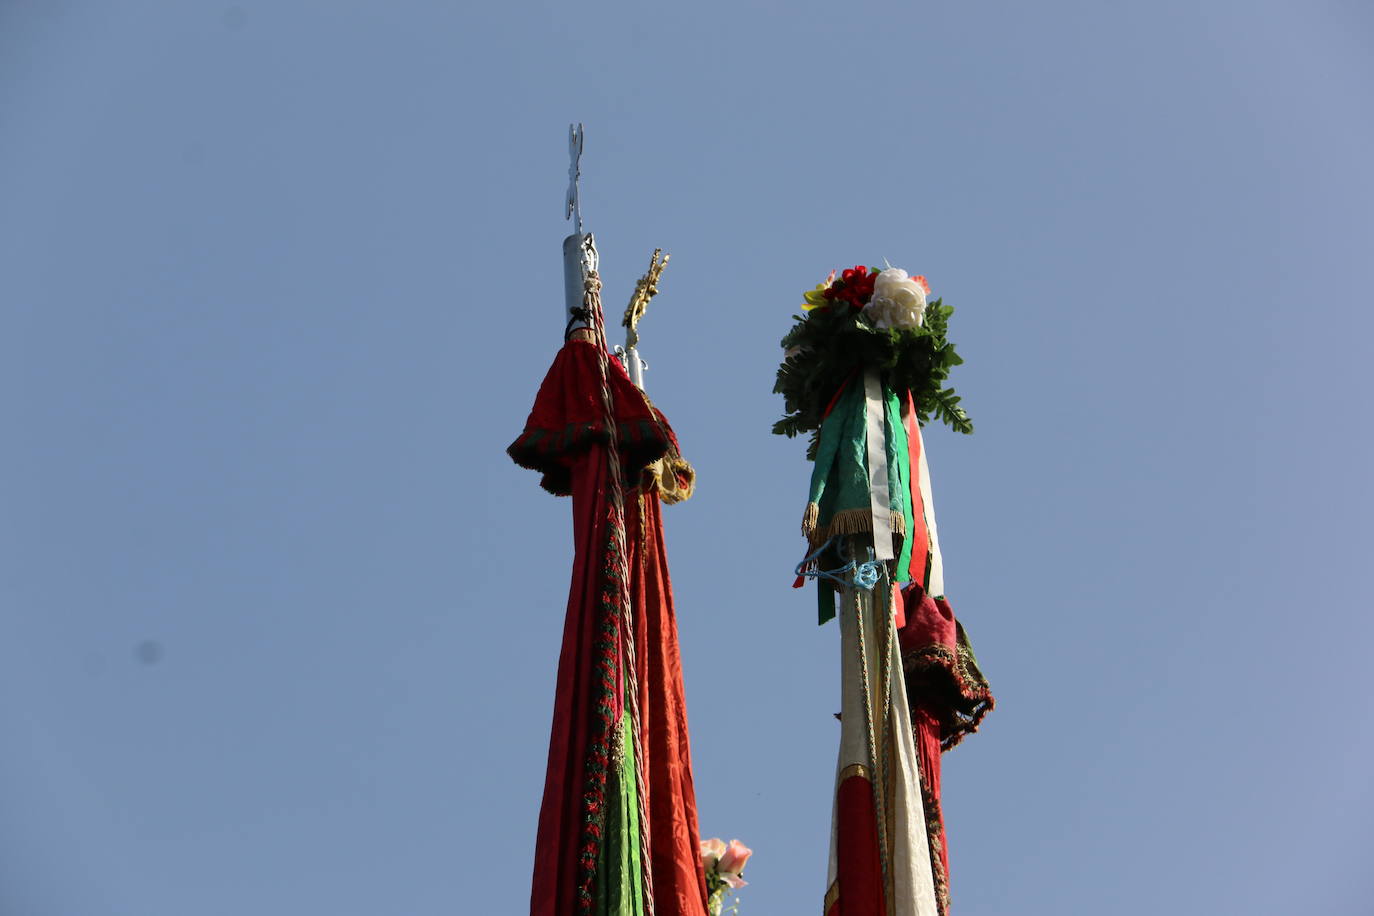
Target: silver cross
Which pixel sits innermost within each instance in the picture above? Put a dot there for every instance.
(574, 210)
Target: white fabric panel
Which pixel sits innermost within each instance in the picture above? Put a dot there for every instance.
(911, 881)
(935, 585)
(880, 499)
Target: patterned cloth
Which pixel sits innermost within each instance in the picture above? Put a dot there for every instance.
(618, 823)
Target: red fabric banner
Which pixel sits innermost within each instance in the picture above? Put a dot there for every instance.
(858, 889)
(557, 863)
(566, 439)
(674, 839)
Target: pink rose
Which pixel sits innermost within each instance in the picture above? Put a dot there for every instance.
(732, 862)
(711, 851)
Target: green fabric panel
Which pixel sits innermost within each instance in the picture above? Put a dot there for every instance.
(839, 480)
(839, 476)
(899, 475)
(825, 602)
(619, 884)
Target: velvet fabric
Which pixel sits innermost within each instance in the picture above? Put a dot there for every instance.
(558, 869)
(568, 418)
(948, 696)
(674, 839)
(942, 672)
(565, 439)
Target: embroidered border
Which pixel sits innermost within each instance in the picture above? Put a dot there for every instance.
(948, 674)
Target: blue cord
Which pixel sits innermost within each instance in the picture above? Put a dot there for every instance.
(866, 574)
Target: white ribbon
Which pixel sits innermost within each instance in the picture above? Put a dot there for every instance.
(935, 584)
(880, 500)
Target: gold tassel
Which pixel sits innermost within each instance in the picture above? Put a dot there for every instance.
(674, 479)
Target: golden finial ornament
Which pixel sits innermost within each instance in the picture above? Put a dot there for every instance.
(645, 289)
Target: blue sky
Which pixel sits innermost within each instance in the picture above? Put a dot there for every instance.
(278, 282)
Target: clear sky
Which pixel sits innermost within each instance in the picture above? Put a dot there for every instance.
(278, 280)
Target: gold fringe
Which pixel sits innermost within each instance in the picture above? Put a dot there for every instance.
(848, 521)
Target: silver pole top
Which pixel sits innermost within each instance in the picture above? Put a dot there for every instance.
(574, 206)
(579, 249)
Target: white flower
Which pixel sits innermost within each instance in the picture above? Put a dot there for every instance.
(898, 300)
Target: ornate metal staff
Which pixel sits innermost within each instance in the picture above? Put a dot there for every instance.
(645, 289)
(579, 249)
(580, 258)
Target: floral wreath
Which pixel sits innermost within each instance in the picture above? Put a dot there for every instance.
(867, 319)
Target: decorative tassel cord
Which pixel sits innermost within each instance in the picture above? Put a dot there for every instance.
(591, 302)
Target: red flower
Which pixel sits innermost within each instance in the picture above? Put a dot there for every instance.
(854, 287)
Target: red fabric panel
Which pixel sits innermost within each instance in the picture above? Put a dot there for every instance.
(556, 866)
(940, 669)
(926, 725)
(928, 622)
(916, 525)
(859, 867)
(674, 839)
(565, 438)
(568, 417)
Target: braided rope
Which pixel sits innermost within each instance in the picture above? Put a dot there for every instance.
(591, 301)
(878, 766)
(883, 611)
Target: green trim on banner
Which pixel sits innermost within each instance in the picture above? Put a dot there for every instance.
(825, 602)
(620, 871)
(901, 480)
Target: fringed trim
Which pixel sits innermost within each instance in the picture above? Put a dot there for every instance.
(547, 450)
(673, 478)
(846, 521)
(952, 678)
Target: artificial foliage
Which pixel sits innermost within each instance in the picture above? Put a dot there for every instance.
(837, 339)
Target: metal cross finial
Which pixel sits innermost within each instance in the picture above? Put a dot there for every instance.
(574, 210)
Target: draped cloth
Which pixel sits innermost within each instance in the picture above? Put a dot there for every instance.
(675, 842)
(617, 831)
(948, 696)
(925, 694)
